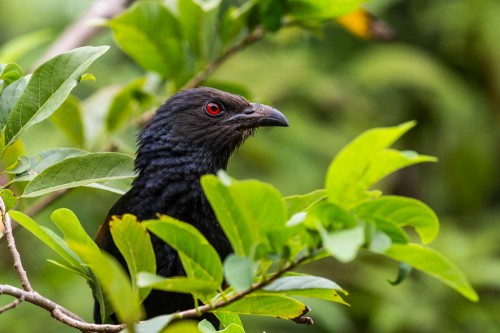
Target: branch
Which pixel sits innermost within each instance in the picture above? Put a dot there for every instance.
(195, 313)
(85, 27)
(11, 305)
(11, 244)
(57, 311)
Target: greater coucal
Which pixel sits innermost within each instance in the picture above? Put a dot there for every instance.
(192, 134)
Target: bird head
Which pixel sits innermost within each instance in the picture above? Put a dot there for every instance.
(205, 122)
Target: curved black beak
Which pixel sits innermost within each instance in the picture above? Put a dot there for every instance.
(258, 115)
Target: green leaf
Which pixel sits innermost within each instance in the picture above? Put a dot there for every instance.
(9, 199)
(199, 258)
(248, 211)
(198, 20)
(45, 159)
(307, 286)
(233, 328)
(68, 119)
(238, 272)
(48, 238)
(21, 165)
(79, 171)
(379, 242)
(148, 32)
(184, 285)
(301, 203)
(156, 324)
(330, 216)
(49, 86)
(114, 281)
(118, 186)
(227, 319)
(9, 73)
(124, 104)
(435, 264)
(403, 212)
(9, 98)
(206, 327)
(364, 161)
(267, 305)
(68, 268)
(234, 22)
(73, 231)
(343, 244)
(321, 9)
(17, 47)
(134, 243)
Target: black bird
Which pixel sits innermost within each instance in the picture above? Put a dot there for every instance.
(192, 134)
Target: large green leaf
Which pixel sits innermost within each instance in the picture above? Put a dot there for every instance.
(307, 286)
(10, 96)
(248, 211)
(402, 212)
(50, 239)
(365, 161)
(48, 87)
(435, 264)
(149, 33)
(79, 171)
(114, 281)
(267, 305)
(134, 243)
(45, 159)
(199, 258)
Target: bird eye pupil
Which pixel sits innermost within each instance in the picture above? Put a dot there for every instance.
(213, 108)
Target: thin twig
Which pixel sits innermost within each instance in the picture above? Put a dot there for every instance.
(11, 244)
(57, 311)
(199, 78)
(11, 305)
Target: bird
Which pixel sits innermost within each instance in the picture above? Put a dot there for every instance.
(192, 134)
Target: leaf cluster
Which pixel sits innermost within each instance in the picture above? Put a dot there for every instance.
(270, 235)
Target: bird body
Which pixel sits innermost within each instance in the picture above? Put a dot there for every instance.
(192, 134)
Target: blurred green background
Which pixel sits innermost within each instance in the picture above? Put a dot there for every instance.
(443, 70)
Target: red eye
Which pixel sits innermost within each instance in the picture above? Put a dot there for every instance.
(213, 109)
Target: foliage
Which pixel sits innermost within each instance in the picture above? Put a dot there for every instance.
(271, 234)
